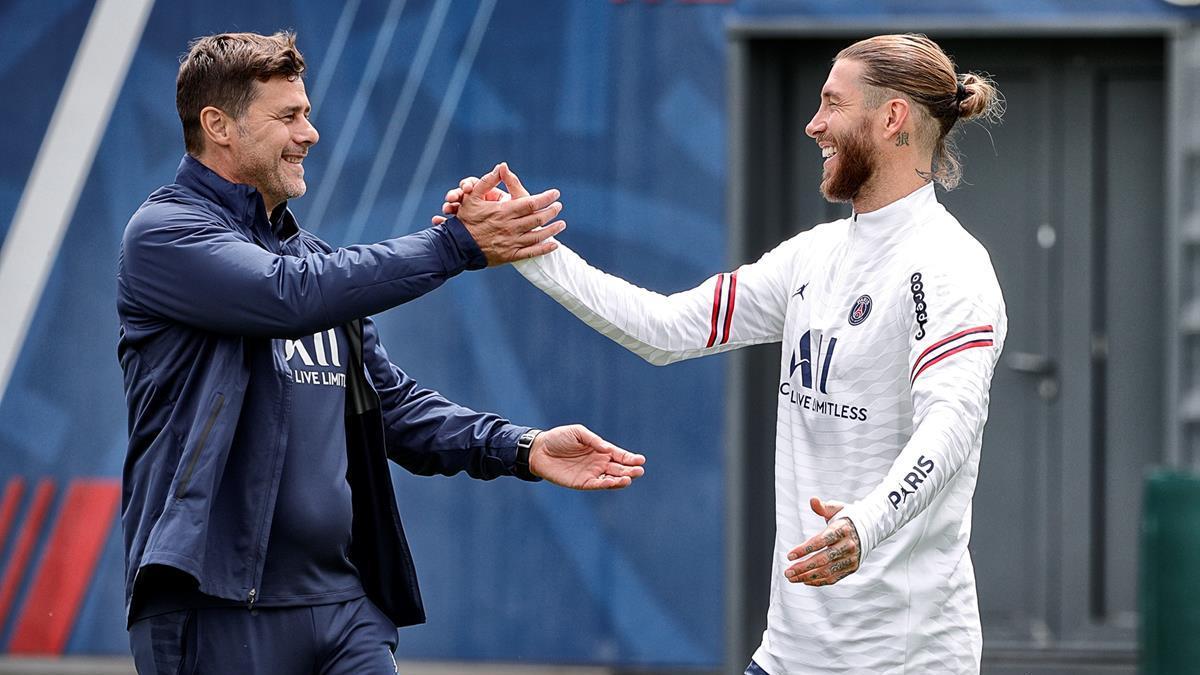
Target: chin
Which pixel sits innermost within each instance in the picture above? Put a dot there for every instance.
(826, 186)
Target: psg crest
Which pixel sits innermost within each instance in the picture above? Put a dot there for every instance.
(861, 310)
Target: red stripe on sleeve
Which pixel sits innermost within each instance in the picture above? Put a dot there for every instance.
(8, 507)
(965, 345)
(23, 548)
(712, 336)
(729, 309)
(65, 572)
(939, 343)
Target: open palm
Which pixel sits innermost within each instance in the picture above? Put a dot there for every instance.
(574, 457)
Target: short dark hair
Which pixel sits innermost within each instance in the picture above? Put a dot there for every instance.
(220, 70)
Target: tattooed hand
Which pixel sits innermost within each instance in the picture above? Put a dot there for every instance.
(830, 556)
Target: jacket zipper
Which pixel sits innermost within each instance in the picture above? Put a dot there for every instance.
(212, 418)
(252, 596)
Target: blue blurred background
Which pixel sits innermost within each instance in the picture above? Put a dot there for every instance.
(622, 106)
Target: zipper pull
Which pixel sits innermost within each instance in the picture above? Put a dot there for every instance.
(251, 597)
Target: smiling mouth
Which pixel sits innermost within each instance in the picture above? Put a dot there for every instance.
(828, 151)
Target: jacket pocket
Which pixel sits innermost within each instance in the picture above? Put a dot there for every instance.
(208, 425)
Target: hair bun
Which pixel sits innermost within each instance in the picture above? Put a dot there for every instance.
(979, 97)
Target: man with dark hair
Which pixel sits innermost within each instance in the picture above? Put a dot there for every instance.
(891, 322)
(261, 531)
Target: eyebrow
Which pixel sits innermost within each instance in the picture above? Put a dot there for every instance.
(291, 110)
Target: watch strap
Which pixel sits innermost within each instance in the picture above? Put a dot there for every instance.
(524, 446)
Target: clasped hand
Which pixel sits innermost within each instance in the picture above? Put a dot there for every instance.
(506, 229)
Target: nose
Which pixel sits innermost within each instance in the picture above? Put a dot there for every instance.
(308, 134)
(816, 125)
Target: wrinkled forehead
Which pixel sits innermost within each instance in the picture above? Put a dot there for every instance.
(281, 92)
(844, 81)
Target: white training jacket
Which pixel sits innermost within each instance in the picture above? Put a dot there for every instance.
(891, 323)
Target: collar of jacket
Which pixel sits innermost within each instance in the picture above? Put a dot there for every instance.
(243, 201)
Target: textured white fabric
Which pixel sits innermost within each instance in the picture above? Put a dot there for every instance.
(891, 324)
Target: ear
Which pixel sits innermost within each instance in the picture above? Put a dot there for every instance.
(218, 127)
(895, 117)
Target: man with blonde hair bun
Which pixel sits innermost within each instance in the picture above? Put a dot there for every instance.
(891, 322)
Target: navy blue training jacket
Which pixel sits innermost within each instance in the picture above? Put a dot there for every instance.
(199, 277)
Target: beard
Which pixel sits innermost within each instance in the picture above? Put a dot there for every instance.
(267, 175)
(270, 175)
(856, 161)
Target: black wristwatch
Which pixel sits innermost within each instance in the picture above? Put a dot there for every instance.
(524, 445)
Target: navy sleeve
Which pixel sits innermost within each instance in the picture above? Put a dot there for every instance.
(428, 434)
(184, 266)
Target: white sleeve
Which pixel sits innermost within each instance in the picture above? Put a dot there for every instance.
(728, 310)
(958, 326)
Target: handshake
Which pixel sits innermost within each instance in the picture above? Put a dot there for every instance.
(507, 226)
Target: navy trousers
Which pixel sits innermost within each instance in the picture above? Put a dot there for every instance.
(337, 639)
